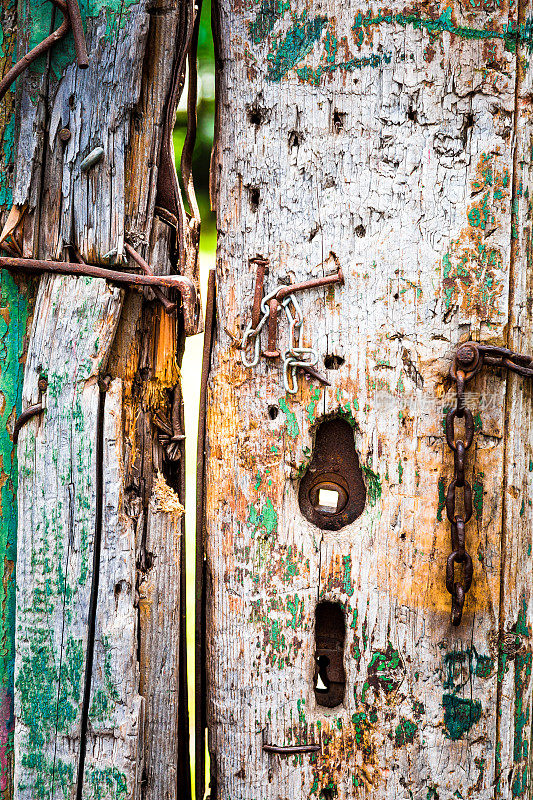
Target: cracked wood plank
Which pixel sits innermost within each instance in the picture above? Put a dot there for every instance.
(397, 137)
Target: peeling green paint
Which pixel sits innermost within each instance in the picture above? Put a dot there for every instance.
(291, 423)
(522, 723)
(405, 732)
(441, 24)
(265, 519)
(295, 45)
(311, 407)
(347, 584)
(39, 16)
(373, 486)
(460, 714)
(14, 314)
(442, 498)
(269, 12)
(477, 494)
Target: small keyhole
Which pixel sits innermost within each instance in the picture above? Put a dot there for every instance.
(330, 632)
(322, 680)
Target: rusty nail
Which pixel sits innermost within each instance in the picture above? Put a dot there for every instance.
(183, 284)
(31, 411)
(291, 749)
(274, 307)
(93, 158)
(262, 270)
(64, 134)
(78, 34)
(314, 373)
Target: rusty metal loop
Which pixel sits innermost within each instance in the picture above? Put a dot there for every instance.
(458, 534)
(467, 501)
(459, 462)
(458, 601)
(459, 557)
(450, 428)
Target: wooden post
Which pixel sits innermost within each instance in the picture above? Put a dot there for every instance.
(14, 311)
(397, 139)
(100, 683)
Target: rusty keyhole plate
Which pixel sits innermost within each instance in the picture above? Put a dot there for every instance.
(332, 492)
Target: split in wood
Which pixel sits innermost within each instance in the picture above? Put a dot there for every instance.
(184, 285)
(72, 20)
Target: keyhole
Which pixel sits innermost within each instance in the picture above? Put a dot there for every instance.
(332, 492)
(330, 631)
(322, 681)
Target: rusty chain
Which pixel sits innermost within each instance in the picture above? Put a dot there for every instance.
(470, 358)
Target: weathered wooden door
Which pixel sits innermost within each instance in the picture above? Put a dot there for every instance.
(397, 138)
(99, 673)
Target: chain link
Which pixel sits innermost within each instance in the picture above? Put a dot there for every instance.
(459, 555)
(296, 356)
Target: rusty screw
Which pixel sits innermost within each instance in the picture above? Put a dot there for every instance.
(64, 135)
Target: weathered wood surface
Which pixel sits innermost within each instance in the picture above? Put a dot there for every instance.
(86, 719)
(397, 137)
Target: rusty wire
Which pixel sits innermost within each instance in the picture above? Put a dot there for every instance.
(72, 19)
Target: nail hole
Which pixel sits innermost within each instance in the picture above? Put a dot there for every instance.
(412, 114)
(294, 139)
(119, 588)
(327, 794)
(330, 633)
(402, 535)
(338, 120)
(332, 361)
(360, 231)
(72, 100)
(273, 412)
(256, 116)
(396, 296)
(255, 196)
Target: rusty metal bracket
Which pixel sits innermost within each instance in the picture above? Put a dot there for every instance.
(31, 411)
(184, 285)
(469, 360)
(72, 20)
